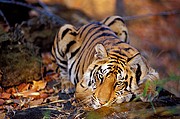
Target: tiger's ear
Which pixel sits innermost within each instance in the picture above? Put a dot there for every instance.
(117, 25)
(100, 51)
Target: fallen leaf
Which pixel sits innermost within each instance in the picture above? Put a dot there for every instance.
(1, 89)
(38, 85)
(17, 101)
(5, 95)
(52, 76)
(11, 90)
(23, 87)
(46, 58)
(43, 95)
(29, 93)
(50, 91)
(2, 115)
(1, 101)
(36, 102)
(51, 99)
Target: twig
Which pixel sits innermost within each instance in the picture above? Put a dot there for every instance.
(1, 14)
(164, 13)
(43, 5)
(57, 19)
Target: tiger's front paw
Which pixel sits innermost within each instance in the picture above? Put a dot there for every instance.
(146, 93)
(67, 87)
(148, 97)
(124, 98)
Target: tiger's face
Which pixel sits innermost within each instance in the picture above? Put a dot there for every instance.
(104, 83)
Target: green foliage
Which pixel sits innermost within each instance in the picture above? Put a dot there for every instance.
(47, 114)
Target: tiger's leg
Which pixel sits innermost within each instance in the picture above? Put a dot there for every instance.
(61, 50)
(118, 26)
(147, 89)
(125, 96)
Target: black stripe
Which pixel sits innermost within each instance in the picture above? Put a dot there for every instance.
(119, 19)
(58, 49)
(126, 85)
(90, 30)
(110, 39)
(81, 85)
(69, 45)
(103, 34)
(85, 29)
(62, 67)
(106, 20)
(89, 84)
(130, 83)
(65, 32)
(53, 51)
(138, 74)
(77, 70)
(74, 53)
(126, 49)
(63, 62)
(77, 79)
(126, 77)
(132, 57)
(119, 52)
(119, 42)
(74, 33)
(117, 56)
(70, 69)
(94, 68)
(57, 58)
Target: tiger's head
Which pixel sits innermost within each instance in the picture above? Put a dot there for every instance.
(105, 81)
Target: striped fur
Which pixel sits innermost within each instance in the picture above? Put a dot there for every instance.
(99, 61)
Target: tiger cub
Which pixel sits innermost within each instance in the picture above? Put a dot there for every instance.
(99, 61)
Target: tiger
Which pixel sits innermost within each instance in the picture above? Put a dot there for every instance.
(98, 60)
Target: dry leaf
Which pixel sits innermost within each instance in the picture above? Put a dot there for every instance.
(1, 89)
(43, 95)
(29, 93)
(5, 95)
(23, 87)
(38, 85)
(11, 90)
(1, 101)
(2, 115)
(36, 102)
(52, 76)
(46, 58)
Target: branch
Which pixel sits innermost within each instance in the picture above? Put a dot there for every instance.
(1, 14)
(164, 13)
(51, 16)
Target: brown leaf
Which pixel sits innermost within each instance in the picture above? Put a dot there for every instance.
(38, 85)
(23, 87)
(2, 115)
(29, 93)
(43, 95)
(1, 89)
(46, 58)
(52, 76)
(11, 90)
(1, 101)
(50, 91)
(36, 102)
(5, 95)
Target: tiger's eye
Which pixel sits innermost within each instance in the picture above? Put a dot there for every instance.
(100, 76)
